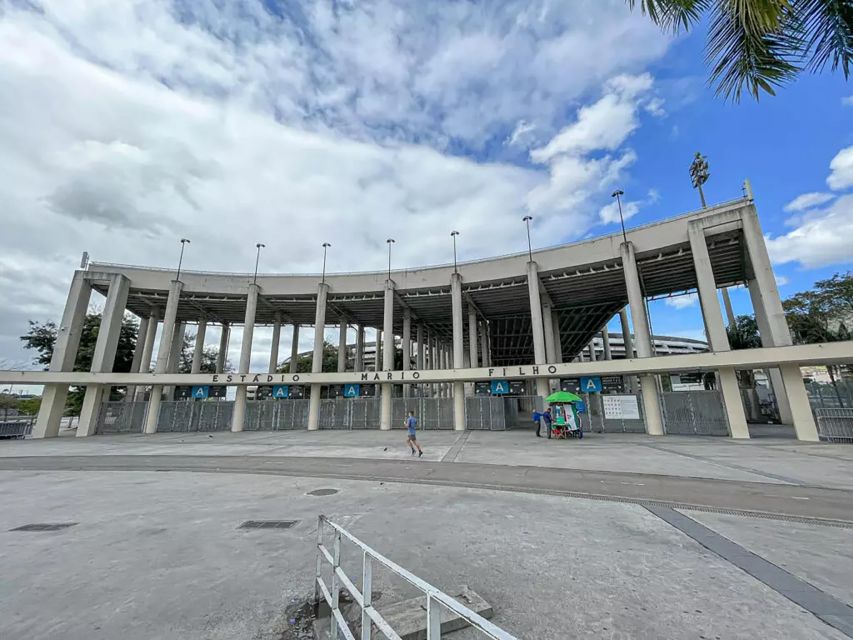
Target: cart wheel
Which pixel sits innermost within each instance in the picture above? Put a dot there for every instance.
(580, 434)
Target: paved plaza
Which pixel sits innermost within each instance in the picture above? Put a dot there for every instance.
(615, 536)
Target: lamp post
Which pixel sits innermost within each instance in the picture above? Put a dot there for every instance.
(699, 175)
(326, 246)
(453, 235)
(526, 220)
(618, 195)
(257, 260)
(389, 242)
(184, 241)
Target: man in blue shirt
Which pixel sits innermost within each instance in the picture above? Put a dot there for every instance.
(411, 436)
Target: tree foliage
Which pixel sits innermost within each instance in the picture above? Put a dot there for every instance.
(760, 45)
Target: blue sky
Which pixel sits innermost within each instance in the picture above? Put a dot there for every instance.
(125, 126)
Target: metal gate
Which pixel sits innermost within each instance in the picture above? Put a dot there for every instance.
(835, 424)
(694, 413)
(192, 415)
(619, 424)
(121, 417)
(349, 413)
(485, 413)
(518, 410)
(432, 413)
(276, 415)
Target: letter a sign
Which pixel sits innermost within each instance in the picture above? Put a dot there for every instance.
(280, 391)
(500, 387)
(591, 384)
(201, 392)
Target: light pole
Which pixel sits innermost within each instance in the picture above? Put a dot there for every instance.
(699, 175)
(618, 195)
(526, 220)
(326, 246)
(257, 260)
(184, 241)
(454, 234)
(389, 241)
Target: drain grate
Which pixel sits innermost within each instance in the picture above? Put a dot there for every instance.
(44, 526)
(323, 492)
(268, 524)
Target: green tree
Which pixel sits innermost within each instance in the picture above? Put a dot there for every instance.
(758, 45)
(29, 406)
(42, 336)
(209, 355)
(303, 361)
(744, 333)
(8, 401)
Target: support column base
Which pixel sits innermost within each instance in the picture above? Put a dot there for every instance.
(651, 406)
(51, 411)
(314, 408)
(459, 406)
(733, 404)
(153, 415)
(90, 410)
(385, 407)
(801, 410)
(238, 414)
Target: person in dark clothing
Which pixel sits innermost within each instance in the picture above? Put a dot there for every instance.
(544, 418)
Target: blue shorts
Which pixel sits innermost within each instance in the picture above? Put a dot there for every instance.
(411, 435)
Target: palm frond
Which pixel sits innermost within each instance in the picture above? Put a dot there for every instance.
(827, 29)
(673, 14)
(749, 46)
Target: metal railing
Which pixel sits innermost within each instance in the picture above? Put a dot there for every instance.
(835, 424)
(369, 615)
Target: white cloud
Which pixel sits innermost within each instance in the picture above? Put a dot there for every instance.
(841, 170)
(823, 237)
(808, 201)
(124, 126)
(682, 302)
(609, 214)
(521, 135)
(781, 280)
(847, 101)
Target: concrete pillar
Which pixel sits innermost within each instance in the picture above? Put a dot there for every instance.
(539, 355)
(136, 363)
(104, 355)
(317, 360)
(387, 355)
(294, 349)
(801, 412)
(359, 348)
(342, 345)
(629, 381)
(717, 336)
(419, 363)
(484, 345)
(238, 415)
(648, 384)
(377, 352)
(175, 352)
(472, 338)
(458, 350)
(591, 350)
(558, 339)
(276, 343)
(222, 356)
(605, 339)
(727, 302)
(198, 350)
(64, 356)
(161, 367)
(147, 350)
(548, 328)
(407, 347)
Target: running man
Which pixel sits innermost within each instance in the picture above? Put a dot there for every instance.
(411, 436)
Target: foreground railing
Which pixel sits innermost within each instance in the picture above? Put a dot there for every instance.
(369, 615)
(835, 425)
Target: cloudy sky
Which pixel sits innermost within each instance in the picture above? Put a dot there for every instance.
(127, 125)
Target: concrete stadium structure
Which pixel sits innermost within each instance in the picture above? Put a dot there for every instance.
(516, 317)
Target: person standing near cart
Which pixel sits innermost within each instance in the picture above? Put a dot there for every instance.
(545, 420)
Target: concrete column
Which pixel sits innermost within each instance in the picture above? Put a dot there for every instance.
(648, 384)
(163, 350)
(548, 328)
(458, 350)
(198, 351)
(727, 302)
(387, 355)
(359, 348)
(377, 352)
(64, 355)
(175, 352)
(484, 346)
(222, 356)
(276, 343)
(104, 355)
(558, 339)
(407, 347)
(294, 349)
(147, 350)
(238, 415)
(136, 363)
(591, 350)
(801, 412)
(472, 338)
(539, 355)
(317, 360)
(605, 339)
(342, 345)
(419, 363)
(717, 336)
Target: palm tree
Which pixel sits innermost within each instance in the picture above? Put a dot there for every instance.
(758, 45)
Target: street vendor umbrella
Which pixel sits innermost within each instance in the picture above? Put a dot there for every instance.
(562, 396)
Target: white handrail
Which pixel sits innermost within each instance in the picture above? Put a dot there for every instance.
(369, 614)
